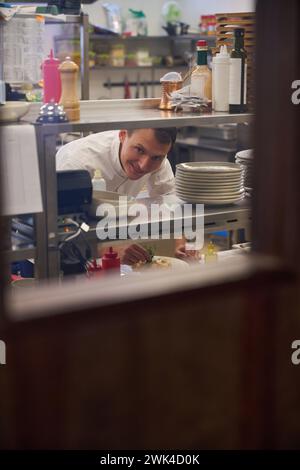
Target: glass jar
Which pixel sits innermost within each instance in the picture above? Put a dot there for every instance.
(117, 55)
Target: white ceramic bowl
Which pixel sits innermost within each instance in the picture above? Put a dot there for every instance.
(13, 110)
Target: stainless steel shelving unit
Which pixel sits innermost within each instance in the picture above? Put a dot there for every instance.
(97, 116)
(231, 218)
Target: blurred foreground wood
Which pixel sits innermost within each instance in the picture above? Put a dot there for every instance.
(203, 369)
(200, 370)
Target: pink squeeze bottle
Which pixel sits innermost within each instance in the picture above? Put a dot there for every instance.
(51, 78)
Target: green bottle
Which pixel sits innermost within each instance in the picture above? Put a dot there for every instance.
(238, 74)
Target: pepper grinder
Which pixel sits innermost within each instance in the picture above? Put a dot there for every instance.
(69, 98)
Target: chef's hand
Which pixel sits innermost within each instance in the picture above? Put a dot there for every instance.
(134, 253)
(186, 255)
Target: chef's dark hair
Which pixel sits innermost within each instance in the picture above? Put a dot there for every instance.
(164, 135)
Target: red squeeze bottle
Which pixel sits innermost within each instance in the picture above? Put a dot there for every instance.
(111, 260)
(127, 92)
(51, 78)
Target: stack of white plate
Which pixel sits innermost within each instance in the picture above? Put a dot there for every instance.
(214, 183)
(245, 159)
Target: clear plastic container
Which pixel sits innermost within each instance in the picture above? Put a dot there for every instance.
(98, 182)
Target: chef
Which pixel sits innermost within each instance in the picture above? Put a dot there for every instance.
(130, 161)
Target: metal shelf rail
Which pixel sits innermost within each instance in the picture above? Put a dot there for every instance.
(97, 116)
(231, 217)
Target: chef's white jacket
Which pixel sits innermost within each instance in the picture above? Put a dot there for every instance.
(101, 151)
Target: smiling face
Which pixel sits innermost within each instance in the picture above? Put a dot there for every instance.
(141, 153)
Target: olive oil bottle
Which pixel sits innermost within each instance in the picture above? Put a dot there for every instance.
(238, 74)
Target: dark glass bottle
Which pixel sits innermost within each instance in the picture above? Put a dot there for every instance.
(238, 74)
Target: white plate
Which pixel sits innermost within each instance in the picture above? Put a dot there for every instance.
(242, 162)
(245, 154)
(199, 189)
(220, 182)
(174, 264)
(212, 177)
(206, 199)
(208, 183)
(126, 269)
(209, 196)
(214, 190)
(212, 193)
(212, 202)
(209, 167)
(205, 184)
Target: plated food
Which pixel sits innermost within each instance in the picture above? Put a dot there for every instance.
(159, 262)
(156, 262)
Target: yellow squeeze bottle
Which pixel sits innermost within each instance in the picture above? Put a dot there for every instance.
(211, 254)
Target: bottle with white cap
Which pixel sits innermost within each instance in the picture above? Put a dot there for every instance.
(220, 80)
(98, 182)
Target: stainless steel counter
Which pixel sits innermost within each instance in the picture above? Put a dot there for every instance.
(97, 116)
